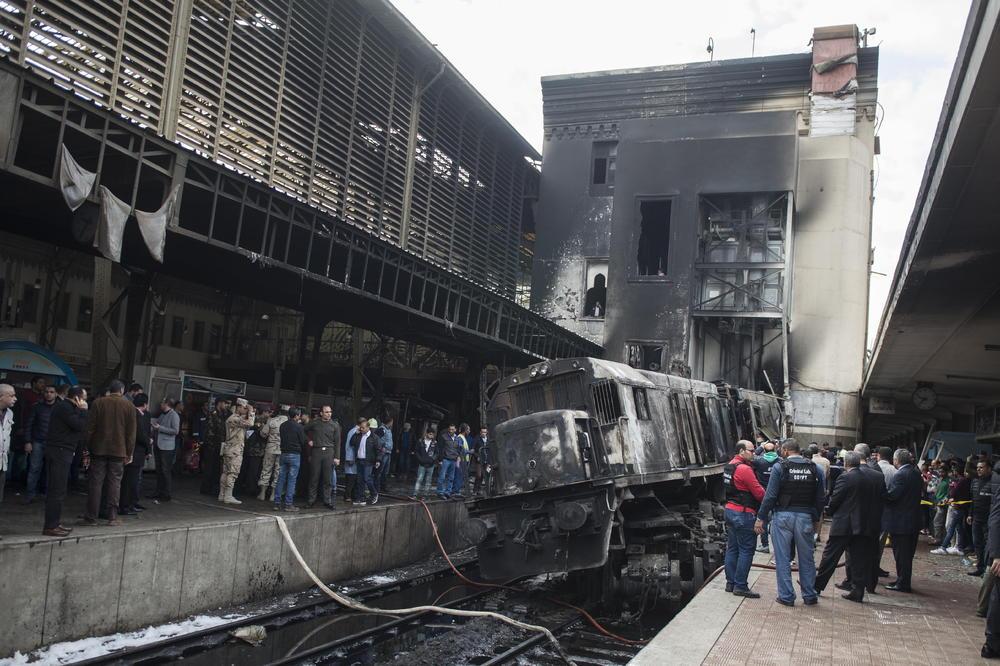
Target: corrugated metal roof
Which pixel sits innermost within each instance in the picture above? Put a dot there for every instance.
(748, 84)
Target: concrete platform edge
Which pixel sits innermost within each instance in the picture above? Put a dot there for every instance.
(693, 632)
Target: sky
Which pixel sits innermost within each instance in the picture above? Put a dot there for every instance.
(504, 47)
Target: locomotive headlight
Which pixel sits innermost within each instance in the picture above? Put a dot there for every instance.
(533, 373)
(544, 370)
(571, 516)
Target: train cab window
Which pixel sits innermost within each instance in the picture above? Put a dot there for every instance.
(641, 403)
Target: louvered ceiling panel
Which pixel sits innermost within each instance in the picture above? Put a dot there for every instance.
(310, 96)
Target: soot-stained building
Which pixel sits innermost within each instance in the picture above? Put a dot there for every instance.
(714, 219)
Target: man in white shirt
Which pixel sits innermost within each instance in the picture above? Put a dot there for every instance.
(884, 457)
(7, 399)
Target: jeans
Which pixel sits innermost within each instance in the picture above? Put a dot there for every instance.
(35, 460)
(383, 471)
(979, 540)
(366, 479)
(458, 484)
(954, 523)
(764, 536)
(447, 476)
(288, 474)
(788, 527)
(740, 540)
(940, 519)
(164, 472)
(425, 479)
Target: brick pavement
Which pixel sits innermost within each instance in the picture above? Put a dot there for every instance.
(934, 625)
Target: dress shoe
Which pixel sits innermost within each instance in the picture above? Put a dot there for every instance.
(852, 597)
(67, 529)
(810, 602)
(749, 594)
(989, 653)
(55, 532)
(844, 585)
(896, 588)
(882, 573)
(729, 587)
(785, 603)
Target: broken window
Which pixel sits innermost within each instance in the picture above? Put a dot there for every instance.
(177, 332)
(644, 355)
(653, 246)
(641, 403)
(604, 157)
(596, 285)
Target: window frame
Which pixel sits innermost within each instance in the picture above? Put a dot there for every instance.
(607, 150)
(632, 273)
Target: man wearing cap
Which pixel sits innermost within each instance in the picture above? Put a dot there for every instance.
(272, 451)
(232, 449)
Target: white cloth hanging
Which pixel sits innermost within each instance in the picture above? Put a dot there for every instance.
(153, 226)
(111, 228)
(74, 181)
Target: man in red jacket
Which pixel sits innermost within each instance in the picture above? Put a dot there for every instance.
(743, 496)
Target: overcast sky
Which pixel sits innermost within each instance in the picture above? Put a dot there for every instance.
(504, 47)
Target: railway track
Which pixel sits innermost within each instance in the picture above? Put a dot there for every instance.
(193, 646)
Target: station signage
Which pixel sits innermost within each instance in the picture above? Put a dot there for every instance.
(879, 405)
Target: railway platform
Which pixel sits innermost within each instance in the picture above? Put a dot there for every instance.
(190, 555)
(935, 624)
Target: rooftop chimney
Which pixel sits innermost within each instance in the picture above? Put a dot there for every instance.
(834, 80)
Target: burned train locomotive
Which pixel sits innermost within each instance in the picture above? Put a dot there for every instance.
(597, 464)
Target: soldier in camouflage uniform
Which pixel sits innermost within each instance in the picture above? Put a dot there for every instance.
(269, 470)
(211, 447)
(232, 449)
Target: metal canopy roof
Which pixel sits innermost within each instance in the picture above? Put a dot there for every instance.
(941, 324)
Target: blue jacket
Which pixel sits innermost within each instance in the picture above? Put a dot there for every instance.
(902, 513)
(774, 489)
(37, 429)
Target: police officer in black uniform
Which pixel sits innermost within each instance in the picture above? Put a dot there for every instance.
(982, 495)
(794, 503)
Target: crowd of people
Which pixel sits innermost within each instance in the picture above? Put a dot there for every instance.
(779, 493)
(56, 434)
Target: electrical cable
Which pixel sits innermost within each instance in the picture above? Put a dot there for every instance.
(352, 604)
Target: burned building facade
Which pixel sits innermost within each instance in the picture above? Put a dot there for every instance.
(714, 219)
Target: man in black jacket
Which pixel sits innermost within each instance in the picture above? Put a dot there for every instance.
(902, 518)
(856, 508)
(982, 496)
(293, 442)
(991, 649)
(66, 427)
(426, 453)
(128, 505)
(36, 434)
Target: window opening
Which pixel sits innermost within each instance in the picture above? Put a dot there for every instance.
(644, 356)
(654, 237)
(595, 300)
(641, 403)
(177, 333)
(603, 165)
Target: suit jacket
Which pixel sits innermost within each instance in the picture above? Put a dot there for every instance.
(856, 503)
(111, 427)
(993, 522)
(902, 511)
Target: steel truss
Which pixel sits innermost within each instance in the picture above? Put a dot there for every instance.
(229, 213)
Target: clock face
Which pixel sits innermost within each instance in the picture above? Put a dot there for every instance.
(925, 398)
